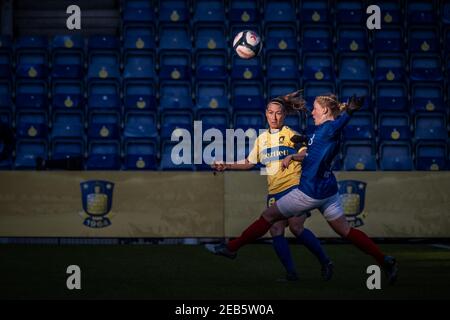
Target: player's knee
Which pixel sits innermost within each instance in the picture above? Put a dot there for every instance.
(296, 228)
(277, 230)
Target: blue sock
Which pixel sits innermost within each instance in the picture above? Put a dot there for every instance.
(281, 246)
(309, 240)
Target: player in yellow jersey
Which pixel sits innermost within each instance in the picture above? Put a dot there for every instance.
(270, 148)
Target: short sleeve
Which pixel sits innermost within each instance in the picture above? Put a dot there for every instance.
(253, 156)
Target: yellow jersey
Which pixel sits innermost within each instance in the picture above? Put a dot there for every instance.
(270, 149)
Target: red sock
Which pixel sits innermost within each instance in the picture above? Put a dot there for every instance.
(256, 230)
(364, 243)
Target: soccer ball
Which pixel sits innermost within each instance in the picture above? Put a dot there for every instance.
(247, 44)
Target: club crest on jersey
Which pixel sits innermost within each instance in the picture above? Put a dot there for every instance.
(352, 194)
(96, 196)
(281, 139)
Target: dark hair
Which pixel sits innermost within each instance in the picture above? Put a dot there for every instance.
(291, 103)
(331, 102)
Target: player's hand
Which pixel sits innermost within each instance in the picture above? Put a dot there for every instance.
(285, 163)
(299, 139)
(355, 104)
(218, 166)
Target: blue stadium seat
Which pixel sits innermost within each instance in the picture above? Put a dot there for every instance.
(348, 89)
(388, 39)
(31, 57)
(6, 60)
(139, 37)
(390, 67)
(27, 151)
(172, 120)
(425, 67)
(248, 69)
(103, 94)
(243, 11)
(427, 97)
(391, 11)
(247, 95)
(211, 153)
(140, 154)
(103, 42)
(175, 65)
(103, 65)
(318, 66)
(352, 39)
(209, 11)
(447, 42)
(136, 4)
(445, 10)
(175, 11)
(350, 11)
(282, 66)
(423, 39)
(6, 43)
(295, 122)
(67, 56)
(391, 96)
(394, 126)
(103, 155)
(249, 120)
(139, 94)
(277, 88)
(175, 95)
(315, 11)
(6, 116)
(31, 124)
(5, 95)
(280, 36)
(31, 94)
(67, 124)
(314, 89)
(67, 94)
(139, 65)
(67, 148)
(174, 37)
(431, 127)
(214, 119)
(210, 37)
(395, 156)
(421, 12)
(359, 156)
(104, 125)
(431, 156)
(354, 67)
(211, 95)
(279, 11)
(317, 38)
(140, 124)
(177, 161)
(360, 126)
(138, 15)
(211, 64)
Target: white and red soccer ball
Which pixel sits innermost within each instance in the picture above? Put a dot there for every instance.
(247, 44)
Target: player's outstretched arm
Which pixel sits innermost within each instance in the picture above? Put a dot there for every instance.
(293, 157)
(354, 104)
(222, 166)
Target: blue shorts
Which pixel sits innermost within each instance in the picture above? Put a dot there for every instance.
(272, 198)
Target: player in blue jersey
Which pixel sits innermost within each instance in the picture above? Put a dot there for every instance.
(271, 148)
(318, 188)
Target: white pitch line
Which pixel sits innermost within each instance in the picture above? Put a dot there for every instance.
(441, 246)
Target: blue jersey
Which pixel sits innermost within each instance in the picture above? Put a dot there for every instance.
(317, 179)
